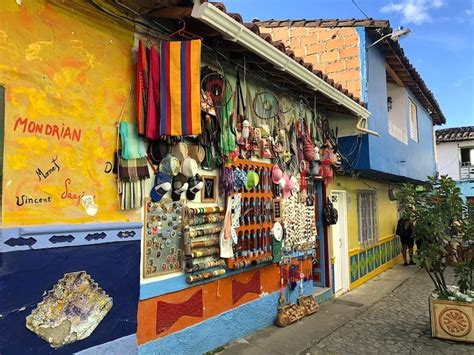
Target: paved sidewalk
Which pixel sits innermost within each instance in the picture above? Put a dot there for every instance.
(388, 314)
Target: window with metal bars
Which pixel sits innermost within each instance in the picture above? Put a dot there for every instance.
(367, 214)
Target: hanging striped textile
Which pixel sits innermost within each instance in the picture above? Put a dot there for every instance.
(153, 107)
(141, 87)
(180, 94)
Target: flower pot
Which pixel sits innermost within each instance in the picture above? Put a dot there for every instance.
(452, 320)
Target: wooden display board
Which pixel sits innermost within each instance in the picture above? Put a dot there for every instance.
(254, 234)
(163, 238)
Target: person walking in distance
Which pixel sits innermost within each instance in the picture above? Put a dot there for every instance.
(405, 231)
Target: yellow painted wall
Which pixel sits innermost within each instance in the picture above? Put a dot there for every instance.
(67, 77)
(387, 210)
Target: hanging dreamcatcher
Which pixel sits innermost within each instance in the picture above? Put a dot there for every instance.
(265, 105)
(216, 90)
(286, 104)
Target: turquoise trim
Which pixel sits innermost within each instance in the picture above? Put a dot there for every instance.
(67, 235)
(126, 345)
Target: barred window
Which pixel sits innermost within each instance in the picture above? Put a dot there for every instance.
(367, 213)
(413, 121)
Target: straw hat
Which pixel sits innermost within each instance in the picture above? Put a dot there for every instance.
(190, 167)
(197, 152)
(180, 151)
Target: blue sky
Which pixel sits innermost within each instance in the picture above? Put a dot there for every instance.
(441, 45)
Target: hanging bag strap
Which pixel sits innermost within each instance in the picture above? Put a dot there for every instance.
(240, 100)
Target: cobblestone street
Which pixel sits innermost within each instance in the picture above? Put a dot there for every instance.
(398, 324)
(387, 315)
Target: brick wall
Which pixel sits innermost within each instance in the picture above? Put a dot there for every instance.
(333, 51)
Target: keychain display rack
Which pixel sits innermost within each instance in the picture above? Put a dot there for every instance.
(254, 237)
(201, 243)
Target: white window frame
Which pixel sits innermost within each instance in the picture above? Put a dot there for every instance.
(466, 169)
(367, 216)
(413, 118)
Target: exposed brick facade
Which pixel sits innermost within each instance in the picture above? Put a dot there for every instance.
(334, 51)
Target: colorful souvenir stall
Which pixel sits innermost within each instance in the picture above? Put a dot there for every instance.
(237, 182)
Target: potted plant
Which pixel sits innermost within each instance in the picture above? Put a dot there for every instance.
(443, 234)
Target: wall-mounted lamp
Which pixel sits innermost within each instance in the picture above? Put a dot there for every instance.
(389, 103)
(394, 35)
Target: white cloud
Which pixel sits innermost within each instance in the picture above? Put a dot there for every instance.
(460, 82)
(470, 11)
(413, 11)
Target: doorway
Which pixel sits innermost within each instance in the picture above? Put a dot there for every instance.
(340, 249)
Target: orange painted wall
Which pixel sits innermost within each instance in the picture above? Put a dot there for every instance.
(217, 298)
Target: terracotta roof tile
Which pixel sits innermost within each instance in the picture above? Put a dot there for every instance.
(455, 134)
(288, 51)
(328, 23)
(393, 51)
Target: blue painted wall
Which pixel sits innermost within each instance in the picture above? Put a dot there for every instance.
(467, 188)
(25, 275)
(386, 154)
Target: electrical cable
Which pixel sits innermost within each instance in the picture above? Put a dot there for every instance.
(355, 4)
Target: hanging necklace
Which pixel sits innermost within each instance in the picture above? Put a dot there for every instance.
(209, 187)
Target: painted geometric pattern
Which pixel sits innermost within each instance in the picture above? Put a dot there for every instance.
(383, 253)
(354, 265)
(362, 264)
(377, 256)
(370, 260)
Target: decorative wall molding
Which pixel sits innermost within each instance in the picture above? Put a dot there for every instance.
(57, 236)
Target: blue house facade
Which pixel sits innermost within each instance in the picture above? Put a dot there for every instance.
(394, 145)
(402, 113)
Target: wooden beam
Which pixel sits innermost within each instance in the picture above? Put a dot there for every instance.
(174, 12)
(393, 75)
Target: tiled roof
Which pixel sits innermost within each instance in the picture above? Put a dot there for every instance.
(456, 134)
(394, 55)
(325, 23)
(281, 46)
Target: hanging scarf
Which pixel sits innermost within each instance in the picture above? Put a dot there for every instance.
(153, 105)
(132, 145)
(180, 92)
(227, 137)
(141, 87)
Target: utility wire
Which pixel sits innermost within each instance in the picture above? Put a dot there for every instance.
(355, 4)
